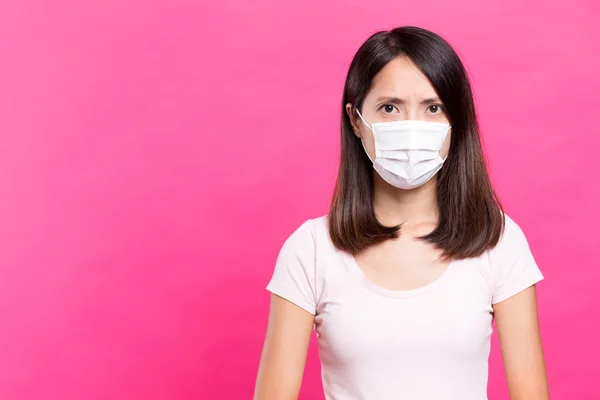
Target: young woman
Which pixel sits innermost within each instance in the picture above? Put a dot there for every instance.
(402, 279)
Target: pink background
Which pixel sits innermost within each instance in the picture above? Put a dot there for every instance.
(156, 154)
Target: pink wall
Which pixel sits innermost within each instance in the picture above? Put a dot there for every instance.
(155, 154)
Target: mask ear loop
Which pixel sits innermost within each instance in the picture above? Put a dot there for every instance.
(363, 120)
(445, 158)
(361, 139)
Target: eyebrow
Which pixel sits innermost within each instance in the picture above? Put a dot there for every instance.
(397, 100)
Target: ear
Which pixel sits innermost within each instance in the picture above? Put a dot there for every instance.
(354, 119)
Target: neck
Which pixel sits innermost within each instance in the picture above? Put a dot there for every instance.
(395, 206)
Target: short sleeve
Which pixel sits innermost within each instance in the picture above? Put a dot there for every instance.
(295, 275)
(513, 266)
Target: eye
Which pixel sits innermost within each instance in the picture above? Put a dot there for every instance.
(435, 109)
(388, 108)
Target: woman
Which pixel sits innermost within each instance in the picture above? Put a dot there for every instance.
(403, 278)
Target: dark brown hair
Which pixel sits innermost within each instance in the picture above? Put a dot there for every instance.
(471, 218)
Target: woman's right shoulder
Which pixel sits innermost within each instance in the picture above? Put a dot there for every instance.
(296, 276)
(310, 239)
(310, 233)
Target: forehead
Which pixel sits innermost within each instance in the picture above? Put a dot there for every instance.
(401, 78)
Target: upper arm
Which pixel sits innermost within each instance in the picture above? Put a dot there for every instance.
(291, 318)
(284, 352)
(521, 346)
(514, 301)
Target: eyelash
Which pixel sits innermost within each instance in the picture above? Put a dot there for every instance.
(381, 107)
(441, 107)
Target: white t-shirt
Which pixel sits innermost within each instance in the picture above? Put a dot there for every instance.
(431, 343)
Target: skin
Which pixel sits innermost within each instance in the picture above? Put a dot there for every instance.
(401, 92)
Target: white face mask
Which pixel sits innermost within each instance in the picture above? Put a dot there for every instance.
(407, 153)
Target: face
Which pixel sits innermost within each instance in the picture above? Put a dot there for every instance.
(400, 91)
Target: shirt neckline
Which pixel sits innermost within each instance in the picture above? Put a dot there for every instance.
(358, 273)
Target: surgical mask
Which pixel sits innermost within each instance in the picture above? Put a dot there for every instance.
(407, 153)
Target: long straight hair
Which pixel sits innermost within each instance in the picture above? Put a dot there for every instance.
(471, 217)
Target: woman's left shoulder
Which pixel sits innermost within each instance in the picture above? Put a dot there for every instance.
(513, 266)
(512, 239)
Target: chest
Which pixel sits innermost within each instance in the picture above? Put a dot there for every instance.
(403, 264)
(359, 321)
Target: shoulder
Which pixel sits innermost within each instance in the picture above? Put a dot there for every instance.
(511, 245)
(310, 230)
(308, 236)
(512, 239)
(513, 266)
